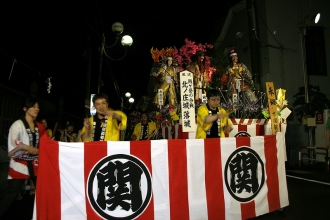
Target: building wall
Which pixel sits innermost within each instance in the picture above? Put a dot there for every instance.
(286, 66)
(280, 49)
(279, 40)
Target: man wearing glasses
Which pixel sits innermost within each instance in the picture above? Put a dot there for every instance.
(213, 121)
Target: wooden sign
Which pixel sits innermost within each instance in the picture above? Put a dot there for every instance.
(272, 107)
(187, 101)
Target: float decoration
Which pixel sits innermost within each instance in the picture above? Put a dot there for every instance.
(281, 103)
(191, 48)
(165, 116)
(173, 113)
(156, 54)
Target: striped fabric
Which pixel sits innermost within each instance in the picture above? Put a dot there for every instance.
(176, 179)
(253, 127)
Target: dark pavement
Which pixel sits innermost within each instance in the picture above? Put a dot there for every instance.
(308, 188)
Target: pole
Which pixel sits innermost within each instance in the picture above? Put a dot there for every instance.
(311, 150)
(254, 44)
(101, 62)
(89, 70)
(302, 42)
(121, 103)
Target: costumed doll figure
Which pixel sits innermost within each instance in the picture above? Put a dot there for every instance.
(169, 80)
(239, 81)
(197, 67)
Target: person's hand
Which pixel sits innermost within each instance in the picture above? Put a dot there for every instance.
(87, 124)
(19, 146)
(221, 116)
(29, 149)
(227, 129)
(32, 150)
(108, 112)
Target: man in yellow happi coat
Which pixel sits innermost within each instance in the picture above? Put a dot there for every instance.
(144, 130)
(213, 121)
(106, 124)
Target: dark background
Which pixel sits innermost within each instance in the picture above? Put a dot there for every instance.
(51, 39)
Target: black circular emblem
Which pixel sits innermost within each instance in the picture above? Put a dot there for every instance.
(119, 187)
(242, 134)
(242, 174)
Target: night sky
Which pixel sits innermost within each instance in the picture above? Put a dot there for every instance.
(51, 38)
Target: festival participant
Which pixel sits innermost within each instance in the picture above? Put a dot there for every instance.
(239, 80)
(213, 121)
(23, 143)
(68, 135)
(132, 120)
(45, 123)
(168, 83)
(106, 124)
(144, 130)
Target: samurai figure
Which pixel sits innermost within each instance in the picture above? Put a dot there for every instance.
(240, 84)
(197, 67)
(169, 81)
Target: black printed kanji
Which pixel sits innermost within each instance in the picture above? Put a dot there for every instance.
(186, 123)
(272, 101)
(186, 115)
(186, 105)
(243, 170)
(185, 97)
(185, 86)
(271, 91)
(113, 188)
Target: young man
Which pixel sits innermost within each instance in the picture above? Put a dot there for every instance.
(106, 124)
(213, 121)
(143, 130)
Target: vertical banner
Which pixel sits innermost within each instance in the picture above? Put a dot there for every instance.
(160, 97)
(187, 101)
(204, 99)
(272, 107)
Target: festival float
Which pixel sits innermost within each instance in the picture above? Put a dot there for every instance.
(250, 116)
(179, 177)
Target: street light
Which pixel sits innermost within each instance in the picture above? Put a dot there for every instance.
(302, 31)
(126, 41)
(125, 100)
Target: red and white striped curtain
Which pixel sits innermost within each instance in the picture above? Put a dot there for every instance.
(253, 127)
(227, 178)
